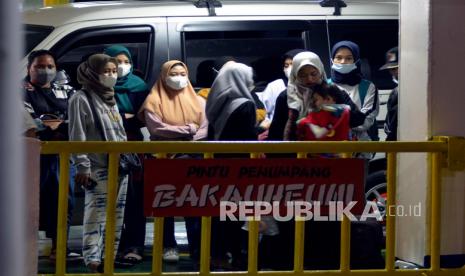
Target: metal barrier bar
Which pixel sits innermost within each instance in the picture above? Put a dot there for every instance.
(419, 272)
(252, 265)
(157, 249)
(62, 219)
(54, 2)
(252, 254)
(299, 235)
(390, 218)
(345, 244)
(205, 244)
(345, 236)
(243, 147)
(435, 211)
(110, 226)
(205, 238)
(436, 147)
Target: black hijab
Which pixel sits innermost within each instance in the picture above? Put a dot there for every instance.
(355, 76)
(289, 54)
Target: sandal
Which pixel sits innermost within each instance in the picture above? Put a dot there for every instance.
(95, 267)
(133, 257)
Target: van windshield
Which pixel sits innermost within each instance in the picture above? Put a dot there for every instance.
(34, 35)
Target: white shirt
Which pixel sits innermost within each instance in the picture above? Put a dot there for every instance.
(270, 94)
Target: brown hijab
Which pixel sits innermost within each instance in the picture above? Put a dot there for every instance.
(88, 76)
(173, 107)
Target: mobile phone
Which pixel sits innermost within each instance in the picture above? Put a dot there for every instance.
(90, 184)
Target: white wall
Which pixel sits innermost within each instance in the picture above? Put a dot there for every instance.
(447, 109)
(431, 103)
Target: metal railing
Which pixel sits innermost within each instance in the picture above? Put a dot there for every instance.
(443, 151)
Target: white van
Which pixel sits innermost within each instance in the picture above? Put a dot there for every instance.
(255, 32)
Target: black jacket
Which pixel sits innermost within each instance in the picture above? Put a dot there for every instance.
(390, 124)
(240, 125)
(41, 102)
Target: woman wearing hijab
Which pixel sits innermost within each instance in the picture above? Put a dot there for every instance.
(94, 116)
(174, 112)
(231, 112)
(307, 72)
(346, 74)
(230, 105)
(130, 93)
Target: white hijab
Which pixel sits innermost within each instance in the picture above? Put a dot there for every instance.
(298, 96)
(229, 90)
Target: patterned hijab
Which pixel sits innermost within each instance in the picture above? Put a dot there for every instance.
(88, 76)
(173, 107)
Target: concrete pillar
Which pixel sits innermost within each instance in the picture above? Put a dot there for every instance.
(431, 103)
(12, 193)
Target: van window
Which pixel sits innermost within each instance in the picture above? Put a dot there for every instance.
(260, 49)
(374, 37)
(76, 47)
(34, 35)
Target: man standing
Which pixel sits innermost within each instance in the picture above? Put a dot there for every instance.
(390, 123)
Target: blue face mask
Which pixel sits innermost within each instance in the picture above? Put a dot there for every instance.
(343, 68)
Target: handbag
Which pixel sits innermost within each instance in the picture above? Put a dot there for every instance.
(128, 162)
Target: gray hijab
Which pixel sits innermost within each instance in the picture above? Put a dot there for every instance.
(88, 76)
(298, 97)
(230, 89)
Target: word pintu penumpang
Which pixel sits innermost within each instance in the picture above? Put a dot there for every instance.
(168, 195)
(260, 171)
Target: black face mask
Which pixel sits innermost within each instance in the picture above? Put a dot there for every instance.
(44, 76)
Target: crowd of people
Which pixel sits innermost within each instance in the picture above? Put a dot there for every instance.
(113, 104)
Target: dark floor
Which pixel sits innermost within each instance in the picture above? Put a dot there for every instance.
(75, 241)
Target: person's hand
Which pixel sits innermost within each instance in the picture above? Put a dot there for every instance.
(263, 136)
(128, 115)
(193, 128)
(84, 180)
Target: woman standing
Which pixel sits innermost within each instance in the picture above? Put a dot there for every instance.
(130, 93)
(346, 74)
(47, 103)
(306, 73)
(232, 116)
(94, 116)
(173, 112)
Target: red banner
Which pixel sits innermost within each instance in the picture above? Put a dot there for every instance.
(195, 187)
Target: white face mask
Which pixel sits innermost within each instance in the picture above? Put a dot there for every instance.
(287, 71)
(123, 69)
(177, 82)
(344, 68)
(108, 80)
